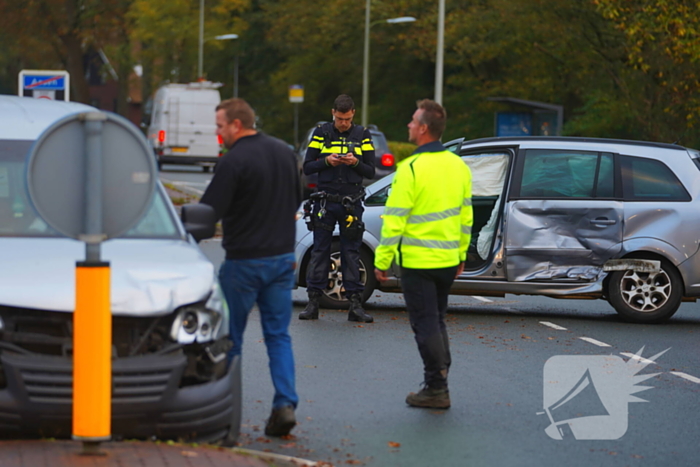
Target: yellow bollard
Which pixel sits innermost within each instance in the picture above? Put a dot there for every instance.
(92, 353)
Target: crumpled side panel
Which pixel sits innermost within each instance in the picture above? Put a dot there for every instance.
(549, 240)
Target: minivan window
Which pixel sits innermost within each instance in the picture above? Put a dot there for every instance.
(566, 174)
(650, 180)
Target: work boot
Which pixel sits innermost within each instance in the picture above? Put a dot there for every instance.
(430, 398)
(311, 310)
(356, 312)
(281, 421)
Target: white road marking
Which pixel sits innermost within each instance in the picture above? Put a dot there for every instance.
(595, 342)
(553, 326)
(482, 299)
(686, 376)
(637, 357)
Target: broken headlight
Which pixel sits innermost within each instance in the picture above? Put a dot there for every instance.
(203, 321)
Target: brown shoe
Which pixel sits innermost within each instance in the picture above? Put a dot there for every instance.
(281, 421)
(430, 398)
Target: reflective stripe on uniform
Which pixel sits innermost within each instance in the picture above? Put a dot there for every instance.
(467, 202)
(388, 241)
(401, 212)
(434, 216)
(436, 244)
(467, 229)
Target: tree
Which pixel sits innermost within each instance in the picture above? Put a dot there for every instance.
(67, 28)
(662, 46)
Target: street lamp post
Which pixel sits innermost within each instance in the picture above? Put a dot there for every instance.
(439, 59)
(225, 37)
(365, 64)
(200, 61)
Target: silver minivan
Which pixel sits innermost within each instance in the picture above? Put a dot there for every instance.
(575, 218)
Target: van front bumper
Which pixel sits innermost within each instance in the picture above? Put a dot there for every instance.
(147, 400)
(187, 160)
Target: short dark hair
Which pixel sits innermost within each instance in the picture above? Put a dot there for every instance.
(237, 108)
(434, 115)
(343, 104)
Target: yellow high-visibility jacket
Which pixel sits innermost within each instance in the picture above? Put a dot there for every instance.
(428, 215)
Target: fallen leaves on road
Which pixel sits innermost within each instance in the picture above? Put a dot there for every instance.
(392, 444)
(189, 453)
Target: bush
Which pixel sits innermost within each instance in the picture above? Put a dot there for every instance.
(401, 150)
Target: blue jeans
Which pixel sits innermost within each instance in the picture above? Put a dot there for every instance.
(268, 282)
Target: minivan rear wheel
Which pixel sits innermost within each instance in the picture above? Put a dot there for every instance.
(646, 297)
(334, 294)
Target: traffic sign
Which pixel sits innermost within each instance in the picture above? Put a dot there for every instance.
(44, 84)
(88, 157)
(296, 93)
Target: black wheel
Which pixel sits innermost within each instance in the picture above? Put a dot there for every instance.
(644, 297)
(334, 294)
(206, 168)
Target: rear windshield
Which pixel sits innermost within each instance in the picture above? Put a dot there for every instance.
(19, 219)
(380, 144)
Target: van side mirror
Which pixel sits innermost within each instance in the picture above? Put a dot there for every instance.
(199, 220)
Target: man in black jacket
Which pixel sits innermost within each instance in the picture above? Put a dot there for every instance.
(343, 155)
(256, 192)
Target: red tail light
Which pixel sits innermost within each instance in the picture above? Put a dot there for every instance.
(161, 136)
(387, 160)
(220, 139)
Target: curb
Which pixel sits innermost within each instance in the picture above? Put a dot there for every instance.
(270, 456)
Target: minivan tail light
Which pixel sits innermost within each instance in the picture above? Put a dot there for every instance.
(387, 160)
(161, 136)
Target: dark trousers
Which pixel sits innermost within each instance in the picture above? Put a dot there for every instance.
(317, 274)
(426, 292)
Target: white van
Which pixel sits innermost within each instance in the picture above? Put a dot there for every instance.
(183, 124)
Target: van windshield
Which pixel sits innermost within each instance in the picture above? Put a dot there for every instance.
(19, 219)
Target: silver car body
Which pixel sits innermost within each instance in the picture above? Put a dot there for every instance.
(168, 381)
(544, 232)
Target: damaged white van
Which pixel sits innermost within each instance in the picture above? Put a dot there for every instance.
(170, 375)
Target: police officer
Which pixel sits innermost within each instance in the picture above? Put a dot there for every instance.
(342, 154)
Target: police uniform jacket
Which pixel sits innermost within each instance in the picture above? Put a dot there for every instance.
(343, 179)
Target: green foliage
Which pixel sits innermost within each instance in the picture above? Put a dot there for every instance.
(401, 150)
(620, 68)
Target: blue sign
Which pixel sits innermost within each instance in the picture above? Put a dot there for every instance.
(44, 82)
(513, 124)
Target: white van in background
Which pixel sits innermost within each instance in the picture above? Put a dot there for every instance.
(183, 124)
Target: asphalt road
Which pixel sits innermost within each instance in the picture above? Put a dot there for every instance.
(353, 378)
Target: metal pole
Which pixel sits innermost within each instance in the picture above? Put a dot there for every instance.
(92, 319)
(296, 125)
(440, 52)
(200, 64)
(94, 121)
(235, 76)
(365, 71)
